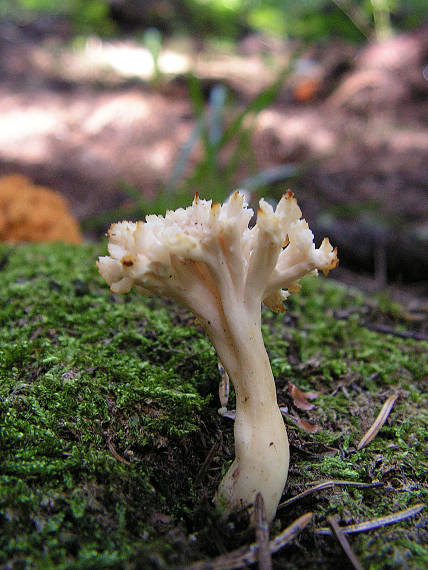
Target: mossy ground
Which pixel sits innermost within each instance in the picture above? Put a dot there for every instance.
(108, 413)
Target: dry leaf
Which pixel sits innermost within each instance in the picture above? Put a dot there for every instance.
(300, 399)
(307, 426)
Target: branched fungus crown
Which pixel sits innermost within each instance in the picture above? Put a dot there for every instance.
(267, 258)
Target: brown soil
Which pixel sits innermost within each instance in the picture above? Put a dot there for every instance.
(354, 119)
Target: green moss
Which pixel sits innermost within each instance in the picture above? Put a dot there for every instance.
(81, 373)
(330, 348)
(108, 412)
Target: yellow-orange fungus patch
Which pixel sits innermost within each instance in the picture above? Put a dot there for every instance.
(34, 213)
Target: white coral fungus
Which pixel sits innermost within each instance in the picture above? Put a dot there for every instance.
(207, 258)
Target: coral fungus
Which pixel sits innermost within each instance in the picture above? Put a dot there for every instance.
(208, 258)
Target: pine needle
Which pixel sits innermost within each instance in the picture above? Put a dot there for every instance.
(327, 485)
(378, 423)
(248, 554)
(264, 555)
(378, 522)
(343, 541)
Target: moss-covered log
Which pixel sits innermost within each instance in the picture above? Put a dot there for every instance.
(110, 443)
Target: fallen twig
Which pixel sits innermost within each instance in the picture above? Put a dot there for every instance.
(378, 423)
(248, 554)
(343, 541)
(326, 485)
(264, 556)
(115, 453)
(378, 327)
(376, 523)
(209, 458)
(331, 451)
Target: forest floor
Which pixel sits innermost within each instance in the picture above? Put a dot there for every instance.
(88, 121)
(111, 445)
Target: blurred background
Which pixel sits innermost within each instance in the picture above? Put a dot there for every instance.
(124, 108)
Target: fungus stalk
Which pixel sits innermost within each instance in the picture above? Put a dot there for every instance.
(208, 259)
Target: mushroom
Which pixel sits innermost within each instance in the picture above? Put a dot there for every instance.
(207, 258)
